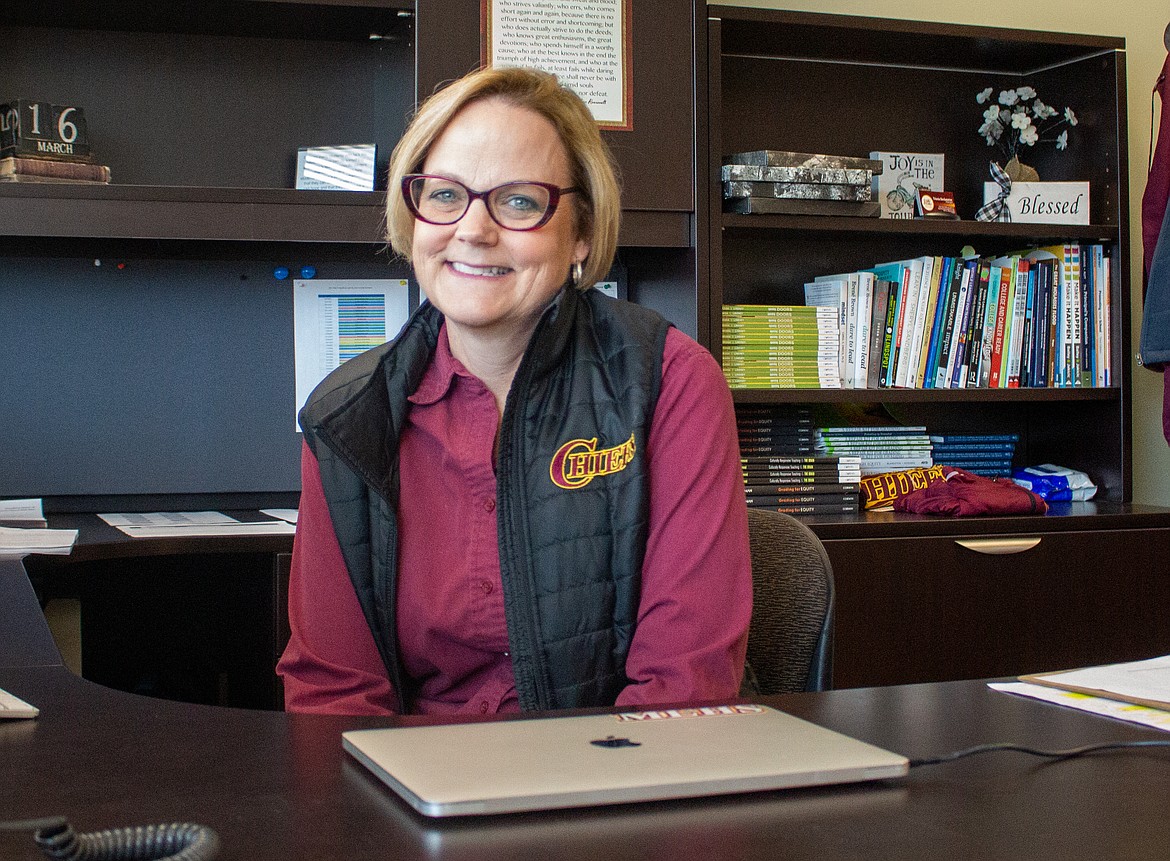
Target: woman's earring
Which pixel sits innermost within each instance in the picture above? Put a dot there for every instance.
(577, 272)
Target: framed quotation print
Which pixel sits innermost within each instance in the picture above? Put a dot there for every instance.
(585, 43)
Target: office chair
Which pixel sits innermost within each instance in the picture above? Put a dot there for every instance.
(790, 641)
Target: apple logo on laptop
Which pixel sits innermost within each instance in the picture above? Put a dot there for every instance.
(615, 741)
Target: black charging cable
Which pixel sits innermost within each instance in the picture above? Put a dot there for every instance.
(1067, 753)
(177, 841)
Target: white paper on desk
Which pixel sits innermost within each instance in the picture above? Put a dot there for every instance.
(1147, 680)
(168, 518)
(265, 527)
(25, 510)
(20, 542)
(12, 706)
(289, 514)
(1144, 715)
(190, 524)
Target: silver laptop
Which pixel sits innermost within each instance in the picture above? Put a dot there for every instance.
(543, 763)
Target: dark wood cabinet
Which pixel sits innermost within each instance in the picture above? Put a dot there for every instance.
(996, 597)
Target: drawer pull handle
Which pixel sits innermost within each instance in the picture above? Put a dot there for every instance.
(998, 546)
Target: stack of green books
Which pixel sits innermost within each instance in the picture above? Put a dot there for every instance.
(781, 347)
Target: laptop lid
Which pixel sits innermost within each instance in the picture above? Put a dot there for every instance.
(543, 763)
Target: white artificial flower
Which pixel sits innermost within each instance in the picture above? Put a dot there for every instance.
(991, 131)
(1020, 119)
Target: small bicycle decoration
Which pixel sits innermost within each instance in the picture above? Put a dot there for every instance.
(900, 196)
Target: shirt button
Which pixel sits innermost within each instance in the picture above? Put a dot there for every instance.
(486, 585)
(483, 707)
(489, 504)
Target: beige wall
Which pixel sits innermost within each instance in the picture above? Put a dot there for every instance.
(1142, 24)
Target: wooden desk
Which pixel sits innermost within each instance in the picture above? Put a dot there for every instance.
(279, 786)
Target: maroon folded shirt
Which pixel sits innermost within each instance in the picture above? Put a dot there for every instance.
(963, 494)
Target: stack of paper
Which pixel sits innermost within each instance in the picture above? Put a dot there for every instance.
(1137, 691)
(21, 542)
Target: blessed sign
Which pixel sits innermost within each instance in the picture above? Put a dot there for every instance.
(1044, 202)
(42, 130)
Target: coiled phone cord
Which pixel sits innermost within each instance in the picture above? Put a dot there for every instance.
(177, 841)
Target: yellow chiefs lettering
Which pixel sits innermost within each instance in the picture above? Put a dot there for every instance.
(578, 462)
(885, 487)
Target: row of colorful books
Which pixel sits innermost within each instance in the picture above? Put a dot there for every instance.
(1031, 320)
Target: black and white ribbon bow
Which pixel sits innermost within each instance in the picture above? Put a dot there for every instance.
(997, 209)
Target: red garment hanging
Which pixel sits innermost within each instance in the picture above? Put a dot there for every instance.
(1157, 183)
(1154, 201)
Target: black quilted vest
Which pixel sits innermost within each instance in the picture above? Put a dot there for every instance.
(572, 495)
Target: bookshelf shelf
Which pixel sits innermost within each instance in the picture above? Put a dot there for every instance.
(190, 213)
(61, 210)
(926, 396)
(925, 230)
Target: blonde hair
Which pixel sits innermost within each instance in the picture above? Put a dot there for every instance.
(597, 205)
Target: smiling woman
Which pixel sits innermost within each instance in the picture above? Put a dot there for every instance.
(492, 280)
(531, 498)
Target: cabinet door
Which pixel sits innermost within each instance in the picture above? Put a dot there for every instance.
(932, 609)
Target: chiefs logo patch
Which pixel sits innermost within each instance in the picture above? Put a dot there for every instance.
(579, 461)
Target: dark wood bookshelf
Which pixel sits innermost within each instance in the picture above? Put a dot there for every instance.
(925, 598)
(849, 85)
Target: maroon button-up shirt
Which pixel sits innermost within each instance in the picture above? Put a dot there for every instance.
(693, 615)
